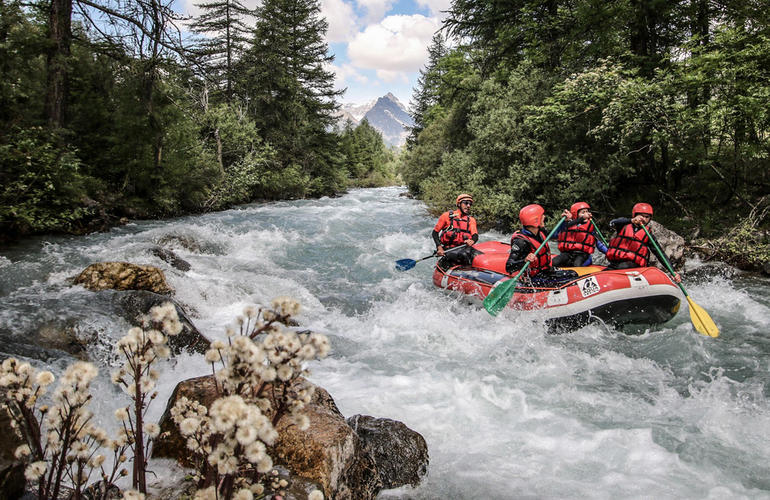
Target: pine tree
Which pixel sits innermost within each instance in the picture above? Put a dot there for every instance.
(291, 93)
(426, 93)
(223, 26)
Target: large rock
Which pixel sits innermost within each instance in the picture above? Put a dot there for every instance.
(134, 304)
(171, 258)
(123, 276)
(329, 453)
(401, 454)
(670, 243)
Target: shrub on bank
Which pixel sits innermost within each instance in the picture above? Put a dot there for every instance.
(228, 441)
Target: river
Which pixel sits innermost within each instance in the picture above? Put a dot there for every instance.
(507, 410)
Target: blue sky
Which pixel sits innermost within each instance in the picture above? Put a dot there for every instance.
(379, 45)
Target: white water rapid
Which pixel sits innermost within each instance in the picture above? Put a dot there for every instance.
(507, 410)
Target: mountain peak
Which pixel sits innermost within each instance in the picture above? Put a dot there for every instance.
(386, 114)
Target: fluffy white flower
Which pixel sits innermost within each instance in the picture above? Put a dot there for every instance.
(268, 374)
(189, 426)
(213, 356)
(133, 495)
(315, 495)
(44, 378)
(152, 430)
(284, 372)
(21, 452)
(243, 494)
(121, 414)
(35, 470)
(265, 464)
(207, 494)
(246, 435)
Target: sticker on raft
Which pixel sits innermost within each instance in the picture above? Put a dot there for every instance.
(589, 286)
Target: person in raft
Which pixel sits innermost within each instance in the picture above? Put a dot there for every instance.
(525, 241)
(631, 246)
(577, 238)
(455, 228)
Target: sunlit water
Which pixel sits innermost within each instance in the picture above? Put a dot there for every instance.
(507, 410)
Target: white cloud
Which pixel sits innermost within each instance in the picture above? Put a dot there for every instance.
(392, 76)
(375, 9)
(341, 19)
(346, 74)
(436, 7)
(397, 44)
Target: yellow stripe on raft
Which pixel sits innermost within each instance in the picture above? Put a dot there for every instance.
(582, 271)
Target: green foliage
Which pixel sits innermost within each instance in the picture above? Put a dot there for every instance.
(139, 134)
(611, 104)
(291, 93)
(368, 162)
(746, 245)
(42, 187)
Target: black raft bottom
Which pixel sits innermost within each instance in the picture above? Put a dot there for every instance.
(643, 310)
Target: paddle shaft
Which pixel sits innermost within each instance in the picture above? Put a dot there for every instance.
(664, 259)
(453, 249)
(599, 234)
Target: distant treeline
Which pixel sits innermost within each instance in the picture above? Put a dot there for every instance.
(111, 108)
(609, 102)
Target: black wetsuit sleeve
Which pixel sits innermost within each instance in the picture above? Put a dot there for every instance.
(436, 239)
(619, 223)
(475, 238)
(519, 251)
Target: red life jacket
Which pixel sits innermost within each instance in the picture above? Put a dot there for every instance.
(542, 258)
(458, 230)
(630, 245)
(578, 238)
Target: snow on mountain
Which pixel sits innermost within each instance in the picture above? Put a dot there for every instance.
(386, 114)
(390, 117)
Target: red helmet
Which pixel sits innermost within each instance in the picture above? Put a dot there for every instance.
(532, 215)
(641, 208)
(577, 207)
(463, 197)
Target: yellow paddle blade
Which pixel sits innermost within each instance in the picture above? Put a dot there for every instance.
(701, 320)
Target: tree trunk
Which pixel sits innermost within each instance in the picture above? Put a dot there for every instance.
(59, 38)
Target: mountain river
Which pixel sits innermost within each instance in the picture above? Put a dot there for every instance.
(507, 410)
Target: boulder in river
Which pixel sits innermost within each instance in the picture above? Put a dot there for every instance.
(400, 453)
(134, 304)
(329, 453)
(670, 243)
(123, 276)
(170, 257)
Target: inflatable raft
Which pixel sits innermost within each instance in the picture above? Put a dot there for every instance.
(643, 295)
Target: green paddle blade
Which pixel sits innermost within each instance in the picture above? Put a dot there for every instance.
(499, 297)
(701, 320)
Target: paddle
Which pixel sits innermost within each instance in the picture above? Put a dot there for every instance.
(698, 316)
(500, 295)
(599, 234)
(407, 264)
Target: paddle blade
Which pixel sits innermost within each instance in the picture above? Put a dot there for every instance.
(499, 297)
(405, 264)
(701, 320)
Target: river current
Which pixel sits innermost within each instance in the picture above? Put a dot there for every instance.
(507, 410)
